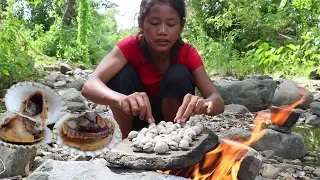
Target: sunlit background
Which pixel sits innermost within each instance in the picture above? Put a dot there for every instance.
(128, 13)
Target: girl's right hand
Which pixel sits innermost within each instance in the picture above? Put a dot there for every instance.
(137, 104)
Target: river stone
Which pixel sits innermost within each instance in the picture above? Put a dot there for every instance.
(289, 92)
(288, 146)
(17, 161)
(80, 170)
(123, 156)
(251, 93)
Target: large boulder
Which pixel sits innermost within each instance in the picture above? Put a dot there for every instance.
(288, 146)
(254, 94)
(289, 92)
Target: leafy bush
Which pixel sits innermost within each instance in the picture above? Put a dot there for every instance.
(15, 63)
(289, 59)
(256, 36)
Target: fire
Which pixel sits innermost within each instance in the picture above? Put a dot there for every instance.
(224, 162)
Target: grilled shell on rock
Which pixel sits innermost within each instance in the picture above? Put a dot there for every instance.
(87, 134)
(88, 131)
(87, 126)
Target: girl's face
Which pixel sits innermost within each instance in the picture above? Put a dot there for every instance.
(161, 27)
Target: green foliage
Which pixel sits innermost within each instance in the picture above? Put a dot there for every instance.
(102, 36)
(31, 32)
(312, 142)
(3, 5)
(256, 36)
(83, 23)
(61, 42)
(58, 42)
(3, 108)
(15, 62)
(289, 59)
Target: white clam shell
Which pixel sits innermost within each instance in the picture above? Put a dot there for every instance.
(116, 137)
(173, 145)
(177, 125)
(176, 138)
(187, 138)
(196, 129)
(184, 145)
(191, 132)
(140, 135)
(169, 130)
(144, 131)
(137, 144)
(148, 147)
(160, 128)
(169, 123)
(161, 147)
(151, 135)
(132, 134)
(145, 140)
(162, 123)
(151, 125)
(172, 126)
(153, 131)
(163, 131)
(158, 138)
(17, 94)
(167, 140)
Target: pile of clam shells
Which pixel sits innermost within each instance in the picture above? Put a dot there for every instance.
(165, 136)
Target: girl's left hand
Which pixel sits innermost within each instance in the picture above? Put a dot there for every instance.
(192, 105)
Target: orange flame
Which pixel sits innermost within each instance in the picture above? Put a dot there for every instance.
(224, 162)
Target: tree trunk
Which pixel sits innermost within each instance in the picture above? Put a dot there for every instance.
(83, 27)
(67, 12)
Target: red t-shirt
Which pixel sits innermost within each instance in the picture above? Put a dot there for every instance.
(149, 76)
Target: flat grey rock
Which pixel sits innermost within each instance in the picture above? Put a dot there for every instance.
(83, 170)
(123, 156)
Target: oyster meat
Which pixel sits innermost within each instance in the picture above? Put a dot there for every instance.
(36, 105)
(88, 131)
(20, 130)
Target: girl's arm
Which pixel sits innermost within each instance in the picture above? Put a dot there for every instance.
(95, 88)
(208, 90)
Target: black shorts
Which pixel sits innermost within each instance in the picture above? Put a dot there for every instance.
(175, 84)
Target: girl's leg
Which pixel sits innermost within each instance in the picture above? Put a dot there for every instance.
(176, 83)
(126, 82)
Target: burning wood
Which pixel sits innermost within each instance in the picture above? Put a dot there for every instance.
(225, 162)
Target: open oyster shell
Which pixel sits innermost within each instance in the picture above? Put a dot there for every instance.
(85, 138)
(36, 101)
(19, 132)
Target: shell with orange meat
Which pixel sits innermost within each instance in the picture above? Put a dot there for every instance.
(87, 134)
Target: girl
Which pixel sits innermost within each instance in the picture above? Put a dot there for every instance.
(152, 76)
